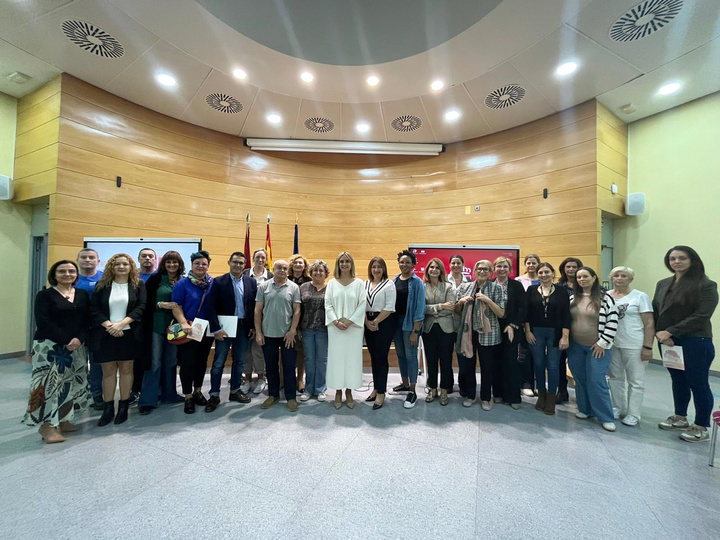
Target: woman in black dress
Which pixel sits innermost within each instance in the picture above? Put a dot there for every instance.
(117, 306)
(59, 359)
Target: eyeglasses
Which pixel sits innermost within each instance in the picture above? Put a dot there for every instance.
(482, 269)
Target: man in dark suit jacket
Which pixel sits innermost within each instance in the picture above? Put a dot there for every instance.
(233, 294)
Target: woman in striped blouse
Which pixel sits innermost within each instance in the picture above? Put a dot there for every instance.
(594, 320)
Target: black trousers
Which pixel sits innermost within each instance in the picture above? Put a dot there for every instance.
(527, 365)
(273, 348)
(563, 381)
(438, 347)
(193, 359)
(378, 344)
(486, 355)
(506, 371)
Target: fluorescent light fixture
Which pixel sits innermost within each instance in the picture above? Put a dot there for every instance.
(452, 115)
(273, 118)
(165, 79)
(344, 147)
(437, 85)
(240, 74)
(566, 69)
(669, 88)
(307, 76)
(362, 127)
(373, 80)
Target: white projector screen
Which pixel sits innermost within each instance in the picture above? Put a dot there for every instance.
(107, 247)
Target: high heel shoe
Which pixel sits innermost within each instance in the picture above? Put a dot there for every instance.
(108, 414)
(67, 427)
(371, 397)
(349, 401)
(338, 400)
(50, 434)
(377, 405)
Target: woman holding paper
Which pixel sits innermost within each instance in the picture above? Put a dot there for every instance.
(117, 307)
(195, 312)
(683, 305)
(345, 320)
(633, 346)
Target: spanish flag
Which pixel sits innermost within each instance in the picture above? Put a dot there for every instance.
(247, 239)
(268, 244)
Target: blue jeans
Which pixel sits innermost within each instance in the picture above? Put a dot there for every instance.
(546, 356)
(240, 345)
(407, 354)
(699, 354)
(315, 343)
(591, 387)
(163, 368)
(95, 378)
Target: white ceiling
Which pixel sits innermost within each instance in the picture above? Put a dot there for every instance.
(517, 45)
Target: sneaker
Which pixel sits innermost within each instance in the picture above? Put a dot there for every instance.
(608, 426)
(467, 402)
(259, 386)
(401, 388)
(245, 387)
(292, 405)
(695, 433)
(269, 402)
(304, 396)
(616, 413)
(321, 397)
(134, 396)
(582, 415)
(674, 422)
(486, 405)
(527, 392)
(239, 396)
(212, 403)
(410, 400)
(630, 420)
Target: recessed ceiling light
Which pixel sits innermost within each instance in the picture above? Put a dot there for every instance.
(239, 74)
(165, 79)
(437, 85)
(274, 118)
(566, 69)
(452, 115)
(372, 80)
(307, 76)
(669, 88)
(362, 127)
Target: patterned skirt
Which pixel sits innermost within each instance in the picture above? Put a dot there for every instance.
(58, 385)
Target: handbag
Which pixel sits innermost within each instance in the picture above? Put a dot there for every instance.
(175, 334)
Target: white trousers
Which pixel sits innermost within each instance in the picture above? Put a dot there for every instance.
(626, 378)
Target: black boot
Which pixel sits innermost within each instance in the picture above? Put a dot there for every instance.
(123, 406)
(108, 413)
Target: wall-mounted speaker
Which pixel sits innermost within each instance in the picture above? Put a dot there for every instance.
(635, 204)
(6, 188)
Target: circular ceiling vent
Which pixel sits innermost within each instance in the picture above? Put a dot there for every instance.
(406, 123)
(644, 19)
(223, 103)
(319, 125)
(93, 39)
(504, 97)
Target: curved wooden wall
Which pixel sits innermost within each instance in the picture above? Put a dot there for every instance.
(183, 180)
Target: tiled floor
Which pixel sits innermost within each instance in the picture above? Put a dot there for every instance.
(433, 471)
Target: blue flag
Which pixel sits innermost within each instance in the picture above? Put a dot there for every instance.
(296, 243)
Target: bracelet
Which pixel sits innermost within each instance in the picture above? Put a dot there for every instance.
(647, 348)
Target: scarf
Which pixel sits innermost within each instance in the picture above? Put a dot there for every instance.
(203, 283)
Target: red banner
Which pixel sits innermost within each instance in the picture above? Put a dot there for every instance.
(470, 254)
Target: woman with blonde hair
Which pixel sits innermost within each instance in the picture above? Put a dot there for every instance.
(117, 307)
(633, 346)
(345, 318)
(438, 330)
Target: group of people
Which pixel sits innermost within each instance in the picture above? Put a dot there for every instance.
(304, 334)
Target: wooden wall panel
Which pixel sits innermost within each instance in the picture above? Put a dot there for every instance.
(182, 180)
(612, 162)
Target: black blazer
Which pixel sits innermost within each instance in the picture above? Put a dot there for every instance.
(223, 298)
(515, 307)
(100, 312)
(689, 319)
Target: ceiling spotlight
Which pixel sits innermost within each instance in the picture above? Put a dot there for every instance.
(437, 85)
(273, 118)
(566, 69)
(669, 88)
(307, 76)
(165, 79)
(452, 115)
(362, 127)
(239, 74)
(373, 80)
